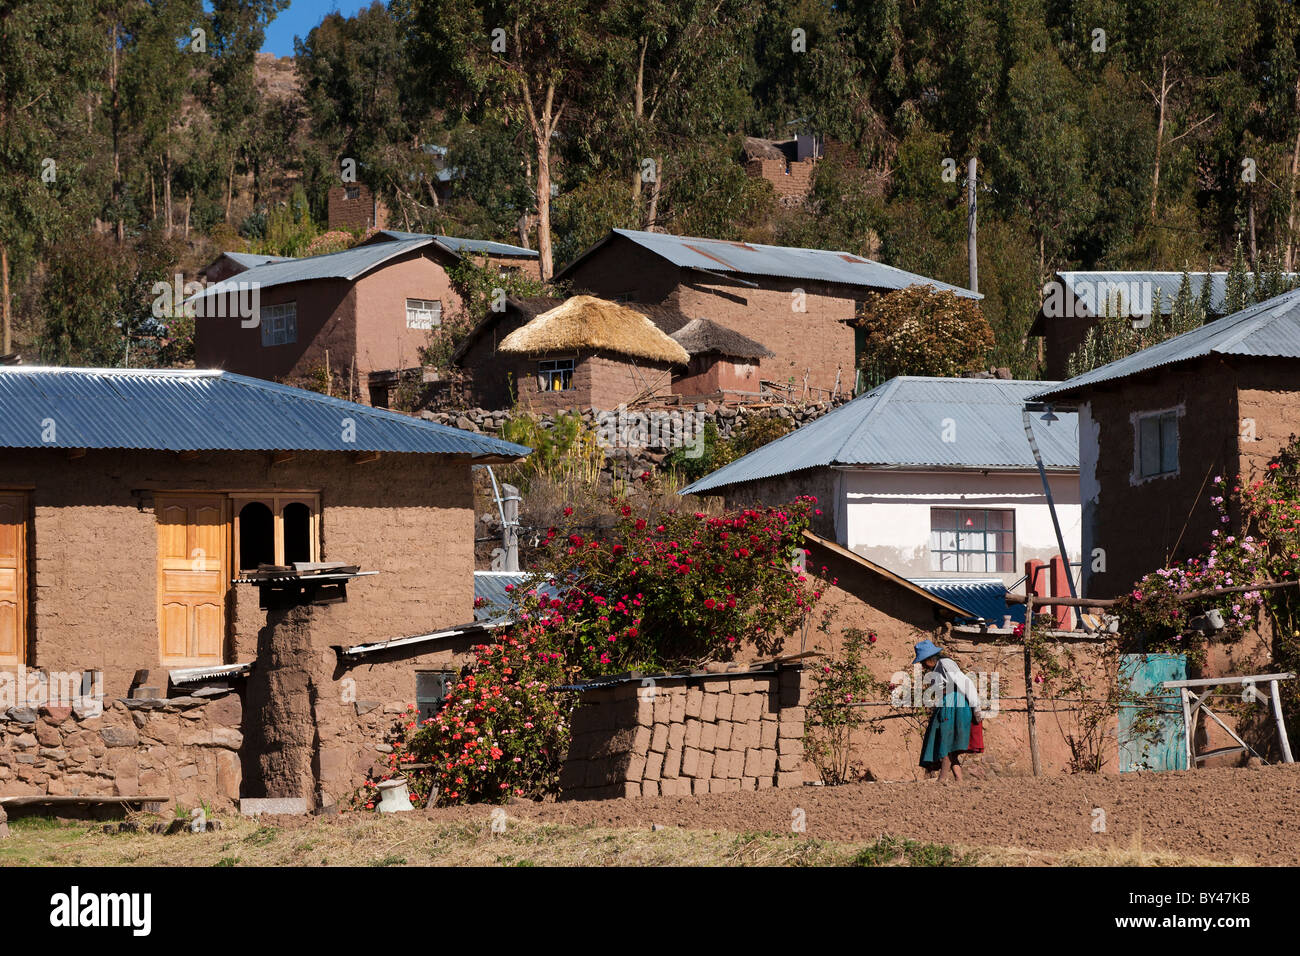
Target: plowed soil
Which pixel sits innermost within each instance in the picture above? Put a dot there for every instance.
(1246, 816)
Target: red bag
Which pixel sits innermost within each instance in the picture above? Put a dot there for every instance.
(976, 745)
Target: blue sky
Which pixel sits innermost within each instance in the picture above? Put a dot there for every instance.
(299, 17)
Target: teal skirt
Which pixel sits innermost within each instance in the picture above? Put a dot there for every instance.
(948, 733)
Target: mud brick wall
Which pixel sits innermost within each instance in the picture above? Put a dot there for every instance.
(184, 748)
(787, 178)
(694, 734)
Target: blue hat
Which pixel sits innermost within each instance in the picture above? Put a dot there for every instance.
(925, 650)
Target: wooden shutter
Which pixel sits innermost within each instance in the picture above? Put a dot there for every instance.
(13, 579)
(192, 579)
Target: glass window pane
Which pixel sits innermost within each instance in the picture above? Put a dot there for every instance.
(1149, 446)
(1169, 443)
(945, 518)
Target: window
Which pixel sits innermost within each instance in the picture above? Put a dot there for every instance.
(964, 539)
(351, 192)
(555, 375)
(431, 688)
(279, 323)
(1157, 444)
(276, 529)
(423, 313)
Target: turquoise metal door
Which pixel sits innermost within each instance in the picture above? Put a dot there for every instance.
(1151, 723)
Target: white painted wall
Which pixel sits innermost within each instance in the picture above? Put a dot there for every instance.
(887, 515)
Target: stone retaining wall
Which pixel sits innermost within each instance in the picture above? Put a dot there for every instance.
(185, 748)
(688, 734)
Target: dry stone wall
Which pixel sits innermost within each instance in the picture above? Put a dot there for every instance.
(688, 734)
(182, 748)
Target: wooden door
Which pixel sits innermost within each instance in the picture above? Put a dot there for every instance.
(192, 579)
(13, 579)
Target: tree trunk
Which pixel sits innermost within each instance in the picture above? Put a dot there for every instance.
(189, 200)
(638, 108)
(230, 187)
(652, 210)
(544, 207)
(6, 320)
(1295, 170)
(117, 150)
(1160, 134)
(167, 192)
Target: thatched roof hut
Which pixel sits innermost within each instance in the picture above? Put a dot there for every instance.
(588, 323)
(705, 337)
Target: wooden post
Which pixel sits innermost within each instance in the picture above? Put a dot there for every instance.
(1276, 696)
(1029, 686)
(1187, 728)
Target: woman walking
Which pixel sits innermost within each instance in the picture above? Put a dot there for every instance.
(955, 720)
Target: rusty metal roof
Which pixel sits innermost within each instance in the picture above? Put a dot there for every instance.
(786, 262)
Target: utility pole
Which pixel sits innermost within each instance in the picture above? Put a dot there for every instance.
(970, 240)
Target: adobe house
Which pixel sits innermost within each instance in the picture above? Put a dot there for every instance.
(1157, 426)
(134, 506)
(1073, 302)
(799, 303)
(723, 363)
(354, 207)
(363, 313)
(788, 165)
(932, 478)
(589, 352)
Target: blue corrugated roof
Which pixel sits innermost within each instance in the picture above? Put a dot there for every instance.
(250, 259)
(1269, 329)
(458, 245)
(984, 597)
(497, 588)
(905, 421)
(348, 264)
(1097, 288)
(787, 262)
(208, 410)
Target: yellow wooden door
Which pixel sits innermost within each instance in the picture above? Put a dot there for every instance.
(13, 579)
(192, 579)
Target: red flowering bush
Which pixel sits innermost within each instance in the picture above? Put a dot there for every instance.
(367, 797)
(660, 592)
(504, 728)
(653, 593)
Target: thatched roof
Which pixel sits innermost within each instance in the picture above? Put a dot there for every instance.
(704, 337)
(757, 148)
(586, 322)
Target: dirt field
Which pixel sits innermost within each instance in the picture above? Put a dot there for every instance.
(1231, 815)
(1210, 816)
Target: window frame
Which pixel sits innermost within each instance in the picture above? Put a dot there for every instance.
(546, 376)
(938, 552)
(276, 502)
(435, 322)
(1162, 417)
(285, 314)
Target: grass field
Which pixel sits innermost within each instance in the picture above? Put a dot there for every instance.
(412, 840)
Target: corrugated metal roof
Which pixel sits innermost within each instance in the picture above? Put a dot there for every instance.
(1094, 289)
(349, 264)
(497, 588)
(458, 245)
(747, 258)
(250, 259)
(1269, 329)
(905, 421)
(209, 410)
(985, 598)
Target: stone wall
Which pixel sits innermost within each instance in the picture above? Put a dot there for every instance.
(689, 734)
(183, 748)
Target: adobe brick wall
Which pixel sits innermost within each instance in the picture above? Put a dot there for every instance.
(705, 733)
(184, 749)
(1142, 527)
(790, 180)
(710, 374)
(356, 214)
(94, 536)
(817, 340)
(382, 339)
(600, 380)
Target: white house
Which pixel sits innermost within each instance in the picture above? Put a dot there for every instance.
(933, 478)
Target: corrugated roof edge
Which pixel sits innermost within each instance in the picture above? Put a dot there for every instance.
(1232, 327)
(624, 233)
(498, 446)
